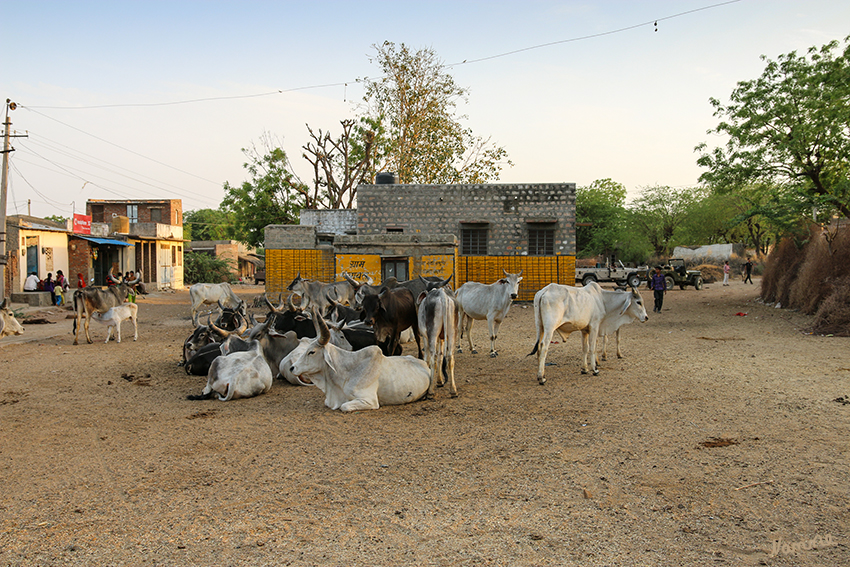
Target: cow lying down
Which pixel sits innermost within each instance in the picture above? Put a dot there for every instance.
(359, 380)
(243, 374)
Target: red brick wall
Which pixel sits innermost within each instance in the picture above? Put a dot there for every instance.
(79, 260)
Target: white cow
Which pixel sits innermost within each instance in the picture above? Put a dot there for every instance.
(237, 374)
(492, 302)
(588, 309)
(315, 293)
(363, 379)
(210, 294)
(438, 315)
(8, 324)
(113, 318)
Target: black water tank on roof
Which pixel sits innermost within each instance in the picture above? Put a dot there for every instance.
(386, 178)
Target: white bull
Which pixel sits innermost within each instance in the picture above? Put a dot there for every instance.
(438, 315)
(363, 379)
(315, 293)
(211, 294)
(480, 301)
(588, 309)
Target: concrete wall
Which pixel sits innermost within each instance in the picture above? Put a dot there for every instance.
(290, 237)
(713, 251)
(508, 209)
(333, 221)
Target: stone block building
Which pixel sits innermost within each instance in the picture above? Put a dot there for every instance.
(472, 232)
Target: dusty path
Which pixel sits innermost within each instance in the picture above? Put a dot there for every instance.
(104, 461)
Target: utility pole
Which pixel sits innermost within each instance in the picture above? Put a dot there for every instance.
(7, 148)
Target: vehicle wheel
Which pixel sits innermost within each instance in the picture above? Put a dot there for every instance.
(587, 279)
(668, 281)
(634, 280)
(698, 283)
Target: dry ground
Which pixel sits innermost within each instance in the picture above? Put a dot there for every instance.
(105, 462)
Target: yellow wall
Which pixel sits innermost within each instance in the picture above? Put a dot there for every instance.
(360, 266)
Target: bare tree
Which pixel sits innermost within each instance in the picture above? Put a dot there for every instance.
(339, 165)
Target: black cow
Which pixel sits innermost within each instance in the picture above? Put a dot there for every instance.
(389, 313)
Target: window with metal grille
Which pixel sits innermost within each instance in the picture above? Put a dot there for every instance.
(473, 241)
(133, 213)
(541, 241)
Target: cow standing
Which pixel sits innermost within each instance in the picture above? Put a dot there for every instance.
(91, 299)
(220, 294)
(389, 313)
(438, 315)
(491, 302)
(588, 309)
(314, 293)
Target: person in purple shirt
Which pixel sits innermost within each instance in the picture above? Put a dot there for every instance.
(658, 284)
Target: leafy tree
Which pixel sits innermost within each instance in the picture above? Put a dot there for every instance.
(199, 267)
(788, 128)
(205, 224)
(411, 109)
(600, 212)
(659, 213)
(270, 197)
(57, 218)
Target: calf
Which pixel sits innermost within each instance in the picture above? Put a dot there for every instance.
(113, 318)
(237, 375)
(365, 379)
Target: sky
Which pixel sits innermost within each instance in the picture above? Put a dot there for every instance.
(156, 99)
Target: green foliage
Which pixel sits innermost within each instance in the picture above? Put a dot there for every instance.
(57, 218)
(659, 213)
(199, 267)
(788, 129)
(411, 109)
(270, 197)
(205, 224)
(600, 208)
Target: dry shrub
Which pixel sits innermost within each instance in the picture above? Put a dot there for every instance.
(833, 315)
(824, 264)
(780, 270)
(710, 272)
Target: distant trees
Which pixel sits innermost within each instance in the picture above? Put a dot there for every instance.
(600, 218)
(788, 129)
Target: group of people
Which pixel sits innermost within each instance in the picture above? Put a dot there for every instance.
(57, 287)
(748, 271)
(658, 284)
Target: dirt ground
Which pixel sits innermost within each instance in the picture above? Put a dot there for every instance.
(715, 436)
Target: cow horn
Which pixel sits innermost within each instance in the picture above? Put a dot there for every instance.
(218, 330)
(269, 303)
(352, 281)
(138, 278)
(111, 278)
(289, 302)
(321, 327)
(243, 326)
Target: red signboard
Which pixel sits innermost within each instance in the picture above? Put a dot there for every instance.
(82, 224)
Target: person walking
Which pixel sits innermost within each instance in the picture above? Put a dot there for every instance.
(748, 271)
(658, 284)
(726, 270)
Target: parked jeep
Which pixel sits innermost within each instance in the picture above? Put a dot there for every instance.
(675, 273)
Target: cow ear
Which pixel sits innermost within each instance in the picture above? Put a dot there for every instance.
(330, 358)
(626, 305)
(421, 297)
(502, 281)
(384, 290)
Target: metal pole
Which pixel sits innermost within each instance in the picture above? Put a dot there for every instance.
(6, 149)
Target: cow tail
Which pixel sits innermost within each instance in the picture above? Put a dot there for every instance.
(534, 351)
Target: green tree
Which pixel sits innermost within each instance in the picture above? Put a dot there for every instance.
(788, 128)
(199, 267)
(57, 218)
(600, 212)
(205, 224)
(271, 196)
(412, 111)
(659, 213)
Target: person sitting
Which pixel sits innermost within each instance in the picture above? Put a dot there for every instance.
(32, 282)
(81, 283)
(62, 281)
(49, 285)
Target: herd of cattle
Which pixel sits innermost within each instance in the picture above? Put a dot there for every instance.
(346, 337)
